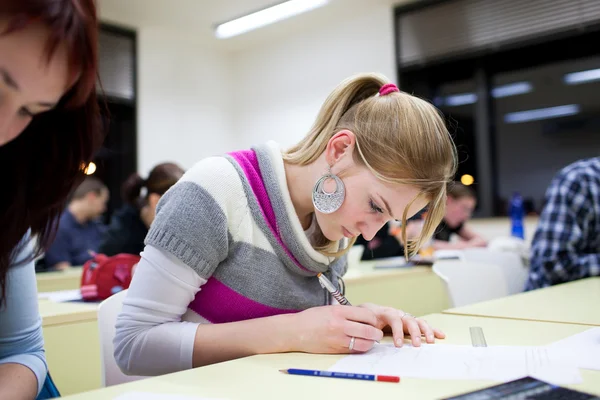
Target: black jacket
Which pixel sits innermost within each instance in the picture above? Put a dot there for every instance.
(125, 234)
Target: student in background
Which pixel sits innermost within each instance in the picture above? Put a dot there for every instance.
(460, 205)
(129, 225)
(387, 242)
(383, 245)
(566, 244)
(79, 230)
(48, 129)
(231, 260)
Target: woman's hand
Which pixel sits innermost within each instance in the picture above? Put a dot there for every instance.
(330, 329)
(401, 323)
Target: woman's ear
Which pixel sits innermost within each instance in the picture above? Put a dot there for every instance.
(339, 146)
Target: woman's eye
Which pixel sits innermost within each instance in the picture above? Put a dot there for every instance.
(25, 113)
(375, 207)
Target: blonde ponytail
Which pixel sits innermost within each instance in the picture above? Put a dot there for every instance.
(347, 94)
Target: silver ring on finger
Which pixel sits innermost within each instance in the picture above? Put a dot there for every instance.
(407, 315)
(351, 345)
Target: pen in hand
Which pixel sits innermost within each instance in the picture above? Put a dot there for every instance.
(326, 283)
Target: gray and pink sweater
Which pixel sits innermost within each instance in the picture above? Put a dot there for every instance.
(226, 245)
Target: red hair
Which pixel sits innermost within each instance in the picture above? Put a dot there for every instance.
(42, 165)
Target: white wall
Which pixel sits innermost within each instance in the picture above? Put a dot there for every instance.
(198, 96)
(184, 92)
(279, 86)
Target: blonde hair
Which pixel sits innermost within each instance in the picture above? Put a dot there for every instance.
(399, 138)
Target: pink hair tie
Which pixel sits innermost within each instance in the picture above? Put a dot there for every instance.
(388, 88)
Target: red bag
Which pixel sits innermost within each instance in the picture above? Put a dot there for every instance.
(104, 276)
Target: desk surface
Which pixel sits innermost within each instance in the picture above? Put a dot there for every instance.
(59, 280)
(238, 379)
(61, 313)
(417, 290)
(73, 272)
(366, 270)
(574, 303)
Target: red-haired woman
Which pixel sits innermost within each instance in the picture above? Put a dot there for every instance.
(49, 128)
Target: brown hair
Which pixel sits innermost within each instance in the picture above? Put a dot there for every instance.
(399, 138)
(160, 179)
(89, 185)
(457, 190)
(42, 165)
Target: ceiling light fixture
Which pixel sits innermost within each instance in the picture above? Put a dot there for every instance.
(265, 17)
(541, 113)
(511, 89)
(575, 78)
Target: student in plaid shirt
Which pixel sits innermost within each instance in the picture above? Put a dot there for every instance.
(566, 245)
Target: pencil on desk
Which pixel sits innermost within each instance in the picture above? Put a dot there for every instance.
(341, 375)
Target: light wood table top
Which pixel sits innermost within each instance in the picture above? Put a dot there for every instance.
(575, 302)
(417, 290)
(61, 313)
(59, 280)
(383, 267)
(258, 377)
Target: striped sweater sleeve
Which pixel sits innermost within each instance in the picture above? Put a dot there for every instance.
(196, 218)
(188, 239)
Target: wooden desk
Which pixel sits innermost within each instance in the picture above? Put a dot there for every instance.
(417, 290)
(574, 303)
(59, 280)
(72, 345)
(258, 377)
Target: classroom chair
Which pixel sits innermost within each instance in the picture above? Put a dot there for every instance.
(470, 282)
(108, 311)
(511, 264)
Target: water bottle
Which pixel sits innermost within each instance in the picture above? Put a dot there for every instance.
(516, 216)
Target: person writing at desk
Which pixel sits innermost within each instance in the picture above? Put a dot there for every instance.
(231, 263)
(459, 206)
(48, 129)
(79, 230)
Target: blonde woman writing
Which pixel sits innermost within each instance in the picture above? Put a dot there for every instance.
(231, 261)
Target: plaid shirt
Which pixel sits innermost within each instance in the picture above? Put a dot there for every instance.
(566, 245)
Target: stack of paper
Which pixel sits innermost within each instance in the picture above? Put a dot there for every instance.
(583, 348)
(61, 296)
(558, 363)
(439, 361)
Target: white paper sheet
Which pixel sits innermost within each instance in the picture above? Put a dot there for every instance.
(156, 396)
(61, 296)
(496, 363)
(583, 348)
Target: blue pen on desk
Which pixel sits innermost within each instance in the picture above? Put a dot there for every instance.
(341, 375)
(326, 283)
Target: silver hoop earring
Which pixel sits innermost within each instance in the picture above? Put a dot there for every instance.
(328, 202)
